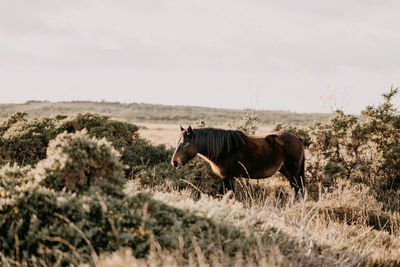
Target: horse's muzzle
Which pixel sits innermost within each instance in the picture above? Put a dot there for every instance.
(175, 164)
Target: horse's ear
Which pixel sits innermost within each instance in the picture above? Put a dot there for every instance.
(181, 128)
(190, 130)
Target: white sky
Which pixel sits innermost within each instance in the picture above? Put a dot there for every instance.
(303, 56)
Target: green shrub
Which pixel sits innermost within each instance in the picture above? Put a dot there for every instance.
(77, 161)
(363, 150)
(197, 172)
(46, 225)
(13, 179)
(24, 141)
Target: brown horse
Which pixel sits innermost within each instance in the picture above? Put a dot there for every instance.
(234, 154)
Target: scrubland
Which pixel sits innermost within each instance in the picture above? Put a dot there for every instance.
(87, 189)
(150, 113)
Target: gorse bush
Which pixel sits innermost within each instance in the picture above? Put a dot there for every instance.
(24, 141)
(62, 228)
(247, 124)
(362, 149)
(13, 179)
(76, 161)
(197, 173)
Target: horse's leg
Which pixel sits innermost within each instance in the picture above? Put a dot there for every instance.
(298, 173)
(225, 185)
(301, 173)
(292, 182)
(292, 172)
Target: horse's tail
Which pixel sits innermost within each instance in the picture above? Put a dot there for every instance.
(301, 173)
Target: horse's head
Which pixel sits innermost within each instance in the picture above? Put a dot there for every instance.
(185, 150)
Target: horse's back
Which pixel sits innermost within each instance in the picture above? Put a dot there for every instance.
(284, 138)
(290, 144)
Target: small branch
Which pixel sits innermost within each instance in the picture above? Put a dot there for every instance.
(17, 256)
(195, 187)
(6, 261)
(110, 220)
(92, 250)
(65, 242)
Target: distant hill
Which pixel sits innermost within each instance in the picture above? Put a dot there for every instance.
(139, 112)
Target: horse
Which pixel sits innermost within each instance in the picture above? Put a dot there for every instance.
(232, 154)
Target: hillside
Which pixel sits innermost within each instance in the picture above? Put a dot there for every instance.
(137, 112)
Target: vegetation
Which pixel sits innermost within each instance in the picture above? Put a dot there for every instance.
(363, 150)
(87, 189)
(247, 124)
(76, 162)
(60, 228)
(138, 112)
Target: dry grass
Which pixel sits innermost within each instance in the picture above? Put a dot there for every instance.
(346, 226)
(333, 231)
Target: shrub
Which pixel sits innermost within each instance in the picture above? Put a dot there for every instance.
(77, 161)
(24, 141)
(62, 228)
(13, 179)
(363, 150)
(200, 123)
(247, 124)
(197, 173)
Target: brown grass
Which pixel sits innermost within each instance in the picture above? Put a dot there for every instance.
(346, 226)
(336, 230)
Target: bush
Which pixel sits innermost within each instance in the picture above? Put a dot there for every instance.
(247, 124)
(24, 141)
(77, 161)
(362, 150)
(62, 228)
(197, 172)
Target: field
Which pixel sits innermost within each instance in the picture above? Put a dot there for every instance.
(94, 190)
(139, 112)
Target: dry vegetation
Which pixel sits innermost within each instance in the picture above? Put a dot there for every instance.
(145, 113)
(87, 189)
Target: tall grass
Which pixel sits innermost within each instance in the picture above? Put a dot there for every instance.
(333, 231)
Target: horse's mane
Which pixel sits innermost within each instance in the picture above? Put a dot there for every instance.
(213, 142)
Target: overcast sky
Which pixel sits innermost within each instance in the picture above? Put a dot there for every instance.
(302, 56)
